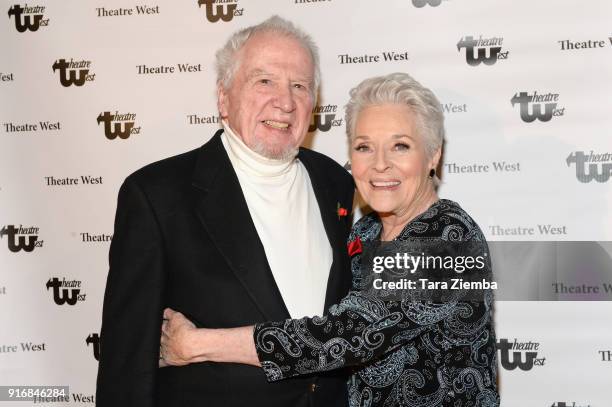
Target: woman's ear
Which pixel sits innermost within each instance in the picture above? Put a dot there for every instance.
(435, 160)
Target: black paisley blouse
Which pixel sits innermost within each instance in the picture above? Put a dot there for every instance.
(404, 353)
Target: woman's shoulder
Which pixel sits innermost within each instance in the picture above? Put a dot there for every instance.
(445, 220)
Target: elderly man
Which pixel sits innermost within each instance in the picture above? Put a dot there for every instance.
(247, 228)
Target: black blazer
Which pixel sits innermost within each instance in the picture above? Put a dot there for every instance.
(184, 239)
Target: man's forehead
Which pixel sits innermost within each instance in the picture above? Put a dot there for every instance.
(256, 71)
(264, 41)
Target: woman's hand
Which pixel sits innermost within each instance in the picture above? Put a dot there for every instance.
(178, 340)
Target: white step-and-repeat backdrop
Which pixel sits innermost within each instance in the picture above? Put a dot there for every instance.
(92, 90)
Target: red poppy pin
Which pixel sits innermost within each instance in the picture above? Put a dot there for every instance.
(342, 212)
(355, 247)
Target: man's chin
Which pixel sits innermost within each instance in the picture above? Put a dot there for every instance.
(281, 153)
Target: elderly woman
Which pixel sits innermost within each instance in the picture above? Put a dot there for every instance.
(403, 352)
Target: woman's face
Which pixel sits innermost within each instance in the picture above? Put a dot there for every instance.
(389, 160)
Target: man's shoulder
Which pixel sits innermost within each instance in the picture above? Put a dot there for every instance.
(169, 169)
(330, 167)
(177, 169)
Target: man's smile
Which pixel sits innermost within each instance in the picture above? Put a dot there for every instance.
(276, 125)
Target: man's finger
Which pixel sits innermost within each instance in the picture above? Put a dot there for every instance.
(165, 327)
(168, 312)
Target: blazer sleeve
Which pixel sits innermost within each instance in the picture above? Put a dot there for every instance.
(132, 312)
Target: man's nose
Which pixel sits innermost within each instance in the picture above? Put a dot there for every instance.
(284, 99)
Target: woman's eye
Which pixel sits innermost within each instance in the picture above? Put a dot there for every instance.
(401, 146)
(362, 148)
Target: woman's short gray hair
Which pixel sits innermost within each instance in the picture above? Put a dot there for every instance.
(227, 60)
(399, 88)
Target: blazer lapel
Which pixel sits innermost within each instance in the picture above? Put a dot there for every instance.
(328, 205)
(223, 211)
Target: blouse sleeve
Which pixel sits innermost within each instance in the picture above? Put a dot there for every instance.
(355, 331)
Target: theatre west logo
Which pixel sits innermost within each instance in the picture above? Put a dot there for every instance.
(94, 340)
(324, 118)
(120, 125)
(568, 404)
(198, 119)
(66, 291)
(73, 72)
(21, 238)
(28, 17)
(599, 166)
(423, 3)
(543, 106)
(224, 10)
(7, 77)
(118, 12)
(483, 50)
(511, 360)
(568, 45)
(606, 355)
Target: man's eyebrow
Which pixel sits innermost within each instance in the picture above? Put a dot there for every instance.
(257, 72)
(308, 79)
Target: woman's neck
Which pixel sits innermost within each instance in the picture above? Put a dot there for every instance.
(394, 223)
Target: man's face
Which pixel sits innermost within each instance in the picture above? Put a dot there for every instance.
(270, 99)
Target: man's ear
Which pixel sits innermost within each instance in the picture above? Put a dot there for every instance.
(222, 101)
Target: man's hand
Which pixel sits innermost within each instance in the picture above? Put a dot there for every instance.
(182, 343)
(177, 340)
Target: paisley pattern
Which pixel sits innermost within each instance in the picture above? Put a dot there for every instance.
(403, 353)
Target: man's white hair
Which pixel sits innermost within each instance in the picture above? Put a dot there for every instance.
(227, 57)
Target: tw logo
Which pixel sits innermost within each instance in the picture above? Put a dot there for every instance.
(20, 238)
(584, 175)
(476, 50)
(65, 292)
(323, 122)
(71, 74)
(511, 362)
(540, 110)
(28, 18)
(118, 125)
(94, 340)
(422, 3)
(216, 12)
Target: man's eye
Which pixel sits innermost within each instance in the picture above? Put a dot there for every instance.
(264, 81)
(298, 86)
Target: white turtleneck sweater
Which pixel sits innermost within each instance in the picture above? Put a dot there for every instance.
(286, 214)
